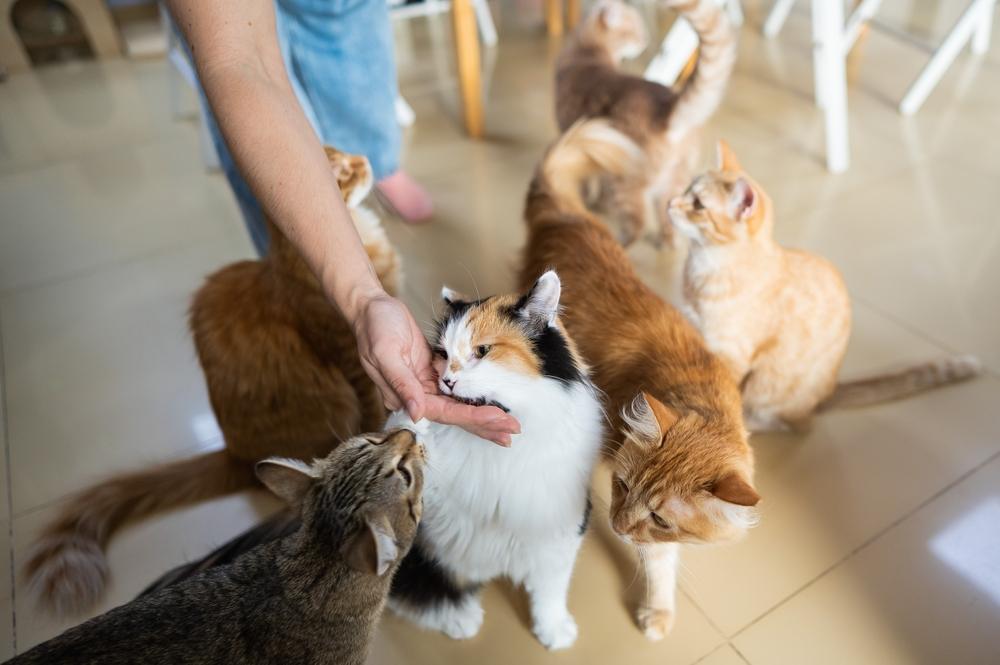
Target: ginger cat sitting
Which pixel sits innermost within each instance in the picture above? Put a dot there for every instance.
(779, 318)
(284, 378)
(683, 470)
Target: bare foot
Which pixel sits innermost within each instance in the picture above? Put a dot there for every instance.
(406, 197)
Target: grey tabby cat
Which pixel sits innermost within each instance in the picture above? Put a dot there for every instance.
(311, 597)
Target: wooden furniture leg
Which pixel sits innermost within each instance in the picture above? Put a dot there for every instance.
(554, 17)
(572, 13)
(467, 56)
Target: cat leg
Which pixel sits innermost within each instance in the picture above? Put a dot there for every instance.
(656, 615)
(459, 620)
(547, 584)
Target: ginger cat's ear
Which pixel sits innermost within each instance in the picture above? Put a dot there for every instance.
(611, 14)
(289, 479)
(733, 488)
(665, 416)
(726, 158)
(373, 548)
(742, 200)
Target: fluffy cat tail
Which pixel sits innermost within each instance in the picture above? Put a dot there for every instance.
(67, 569)
(903, 383)
(588, 149)
(703, 92)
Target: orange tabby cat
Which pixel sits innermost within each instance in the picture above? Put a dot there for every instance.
(779, 318)
(683, 468)
(663, 121)
(284, 378)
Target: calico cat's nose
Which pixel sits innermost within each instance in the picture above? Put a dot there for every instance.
(449, 382)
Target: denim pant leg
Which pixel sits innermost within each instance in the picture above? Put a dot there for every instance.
(339, 54)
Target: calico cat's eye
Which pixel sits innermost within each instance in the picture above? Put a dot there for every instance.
(660, 522)
(405, 473)
(439, 352)
(482, 350)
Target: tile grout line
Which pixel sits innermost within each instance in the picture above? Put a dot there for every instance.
(739, 653)
(892, 525)
(5, 433)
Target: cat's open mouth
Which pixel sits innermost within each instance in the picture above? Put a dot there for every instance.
(480, 401)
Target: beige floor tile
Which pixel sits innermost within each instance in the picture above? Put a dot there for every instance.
(66, 111)
(926, 591)
(922, 247)
(139, 555)
(724, 655)
(101, 374)
(828, 491)
(6, 594)
(604, 588)
(75, 214)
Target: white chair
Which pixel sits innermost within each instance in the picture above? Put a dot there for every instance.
(679, 45)
(832, 41)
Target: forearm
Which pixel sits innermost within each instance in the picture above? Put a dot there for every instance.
(274, 146)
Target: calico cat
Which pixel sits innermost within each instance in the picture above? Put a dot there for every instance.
(661, 120)
(284, 378)
(683, 470)
(518, 512)
(779, 318)
(314, 596)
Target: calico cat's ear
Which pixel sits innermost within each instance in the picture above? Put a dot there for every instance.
(726, 158)
(373, 548)
(451, 297)
(289, 479)
(541, 303)
(735, 489)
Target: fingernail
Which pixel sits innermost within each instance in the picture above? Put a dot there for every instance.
(411, 408)
(504, 440)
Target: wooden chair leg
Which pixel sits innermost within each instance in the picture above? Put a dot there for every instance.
(467, 56)
(554, 17)
(572, 13)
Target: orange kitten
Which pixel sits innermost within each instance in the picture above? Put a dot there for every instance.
(683, 468)
(663, 121)
(779, 318)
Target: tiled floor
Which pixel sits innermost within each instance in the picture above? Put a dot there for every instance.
(880, 541)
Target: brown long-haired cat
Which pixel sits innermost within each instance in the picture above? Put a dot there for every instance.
(779, 318)
(661, 120)
(284, 378)
(683, 471)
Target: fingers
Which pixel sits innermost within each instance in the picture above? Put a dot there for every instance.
(487, 422)
(404, 384)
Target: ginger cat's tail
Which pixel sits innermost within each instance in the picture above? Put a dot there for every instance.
(702, 93)
(67, 568)
(588, 149)
(903, 383)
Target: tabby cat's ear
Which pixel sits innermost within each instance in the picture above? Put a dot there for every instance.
(726, 158)
(451, 297)
(734, 488)
(289, 479)
(541, 303)
(373, 548)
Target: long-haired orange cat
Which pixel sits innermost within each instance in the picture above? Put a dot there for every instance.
(663, 121)
(284, 377)
(683, 471)
(779, 318)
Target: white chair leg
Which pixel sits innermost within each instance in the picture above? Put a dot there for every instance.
(828, 17)
(944, 56)
(405, 115)
(981, 37)
(776, 17)
(862, 14)
(487, 29)
(674, 53)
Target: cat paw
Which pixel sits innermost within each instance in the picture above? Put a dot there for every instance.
(655, 623)
(463, 622)
(556, 633)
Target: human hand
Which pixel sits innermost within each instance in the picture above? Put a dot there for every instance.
(395, 355)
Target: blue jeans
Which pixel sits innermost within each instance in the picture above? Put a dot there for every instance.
(340, 61)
